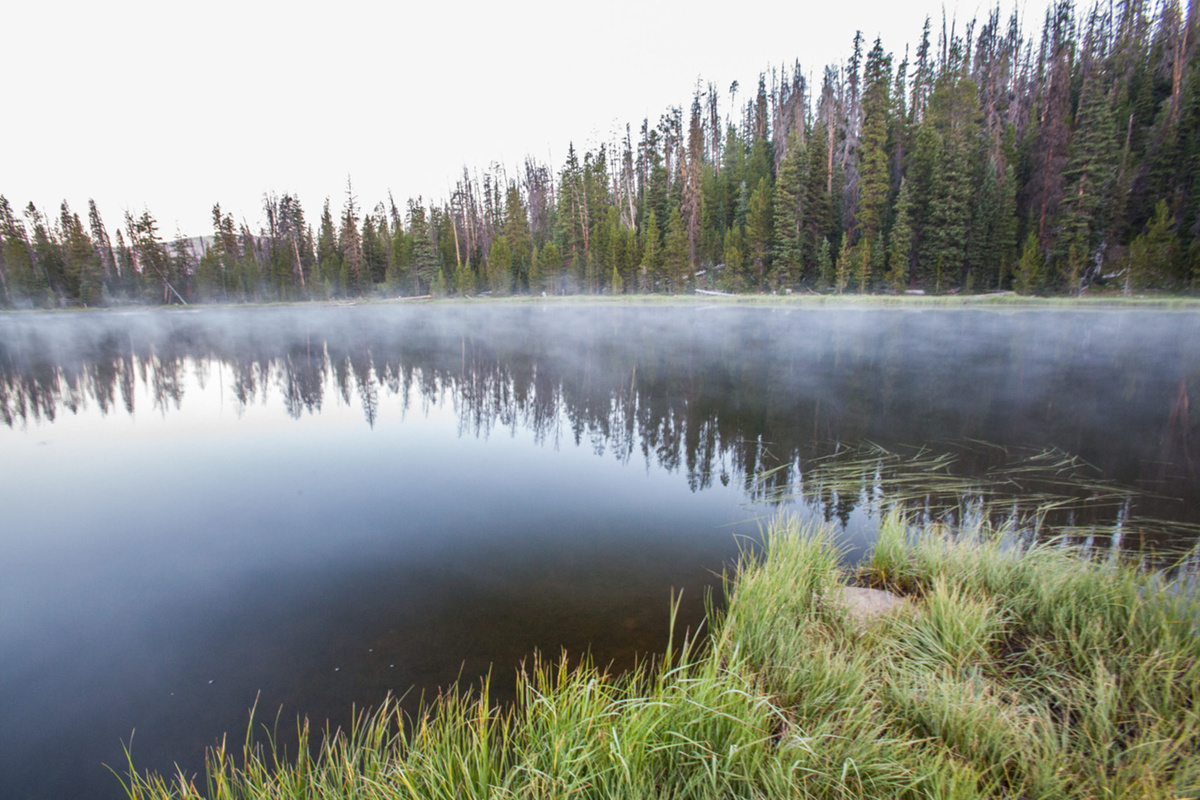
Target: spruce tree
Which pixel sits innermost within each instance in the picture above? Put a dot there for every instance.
(400, 260)
(760, 229)
(843, 266)
(788, 250)
(818, 221)
(1154, 254)
(651, 255)
(675, 253)
(900, 250)
(1089, 175)
(1028, 275)
(329, 256)
(873, 174)
(732, 275)
(550, 264)
(425, 265)
(500, 264)
(825, 267)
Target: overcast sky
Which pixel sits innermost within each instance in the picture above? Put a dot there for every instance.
(175, 106)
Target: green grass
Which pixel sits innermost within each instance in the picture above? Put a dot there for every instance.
(1014, 672)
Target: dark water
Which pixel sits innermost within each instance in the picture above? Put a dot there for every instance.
(314, 507)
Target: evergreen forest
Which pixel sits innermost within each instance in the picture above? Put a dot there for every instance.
(986, 157)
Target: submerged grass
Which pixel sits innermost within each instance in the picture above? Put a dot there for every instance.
(1014, 671)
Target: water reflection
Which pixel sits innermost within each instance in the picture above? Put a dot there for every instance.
(730, 395)
(315, 507)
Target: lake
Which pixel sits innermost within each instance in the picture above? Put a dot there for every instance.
(312, 507)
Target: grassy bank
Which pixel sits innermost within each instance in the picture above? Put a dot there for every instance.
(1008, 672)
(1165, 301)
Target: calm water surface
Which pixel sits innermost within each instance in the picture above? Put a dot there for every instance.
(314, 507)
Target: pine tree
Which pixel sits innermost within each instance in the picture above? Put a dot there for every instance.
(400, 260)
(500, 264)
(817, 203)
(759, 229)
(550, 264)
(104, 250)
(878, 261)
(425, 265)
(1028, 276)
(675, 253)
(374, 251)
(1089, 174)
(651, 256)
(329, 256)
(825, 267)
(732, 276)
(954, 109)
(1154, 255)
(517, 235)
(354, 279)
(16, 257)
(863, 261)
(900, 251)
(843, 266)
(82, 264)
(788, 250)
(47, 258)
(873, 174)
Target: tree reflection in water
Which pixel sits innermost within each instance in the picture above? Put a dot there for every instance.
(757, 396)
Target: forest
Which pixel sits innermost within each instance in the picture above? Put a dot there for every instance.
(985, 158)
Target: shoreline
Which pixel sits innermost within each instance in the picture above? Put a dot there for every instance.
(1006, 670)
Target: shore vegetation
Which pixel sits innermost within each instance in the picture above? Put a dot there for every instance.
(1007, 670)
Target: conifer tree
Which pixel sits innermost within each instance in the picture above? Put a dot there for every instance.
(825, 266)
(732, 276)
(400, 260)
(675, 255)
(374, 251)
(517, 234)
(873, 174)
(81, 263)
(862, 263)
(104, 250)
(843, 266)
(500, 264)
(900, 250)
(47, 258)
(878, 262)
(329, 255)
(1090, 172)
(788, 250)
(1028, 275)
(425, 265)
(550, 265)
(817, 201)
(354, 278)
(1154, 254)
(651, 256)
(759, 229)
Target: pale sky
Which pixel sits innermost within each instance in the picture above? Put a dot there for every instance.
(175, 106)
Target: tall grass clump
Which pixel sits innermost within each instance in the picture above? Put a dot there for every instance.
(1011, 671)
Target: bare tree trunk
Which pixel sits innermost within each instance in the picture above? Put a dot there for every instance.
(299, 264)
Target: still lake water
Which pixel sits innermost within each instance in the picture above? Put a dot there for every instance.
(317, 506)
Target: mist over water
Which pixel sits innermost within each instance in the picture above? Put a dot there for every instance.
(317, 506)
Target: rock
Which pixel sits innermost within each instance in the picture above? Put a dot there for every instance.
(864, 605)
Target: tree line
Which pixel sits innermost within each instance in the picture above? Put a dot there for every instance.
(987, 159)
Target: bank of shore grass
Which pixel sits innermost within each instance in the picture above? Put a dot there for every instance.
(1109, 299)
(1011, 672)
